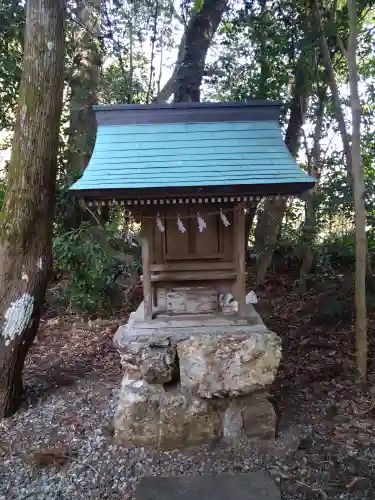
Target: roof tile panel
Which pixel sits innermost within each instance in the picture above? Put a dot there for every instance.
(190, 154)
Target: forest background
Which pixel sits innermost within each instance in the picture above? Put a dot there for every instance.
(317, 58)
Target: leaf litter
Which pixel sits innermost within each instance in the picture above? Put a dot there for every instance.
(60, 444)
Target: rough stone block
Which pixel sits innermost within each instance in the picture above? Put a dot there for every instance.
(147, 415)
(157, 364)
(228, 365)
(185, 419)
(153, 360)
(137, 415)
(259, 417)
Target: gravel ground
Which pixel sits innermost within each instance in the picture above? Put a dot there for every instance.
(73, 428)
(59, 445)
(62, 448)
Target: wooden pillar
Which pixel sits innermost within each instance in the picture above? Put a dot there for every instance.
(240, 259)
(146, 265)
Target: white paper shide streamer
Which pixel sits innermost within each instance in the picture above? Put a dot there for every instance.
(251, 298)
(224, 219)
(201, 223)
(228, 304)
(180, 225)
(160, 224)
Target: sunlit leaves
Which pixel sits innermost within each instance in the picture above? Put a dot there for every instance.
(12, 20)
(197, 7)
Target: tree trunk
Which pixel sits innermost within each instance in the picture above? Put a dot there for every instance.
(266, 234)
(354, 169)
(358, 195)
(339, 114)
(84, 82)
(331, 79)
(268, 225)
(309, 229)
(262, 93)
(165, 93)
(187, 76)
(250, 216)
(26, 229)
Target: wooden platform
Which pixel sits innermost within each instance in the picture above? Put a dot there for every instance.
(177, 328)
(163, 320)
(190, 321)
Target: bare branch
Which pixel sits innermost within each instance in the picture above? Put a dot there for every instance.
(176, 15)
(342, 46)
(167, 90)
(116, 44)
(333, 86)
(153, 41)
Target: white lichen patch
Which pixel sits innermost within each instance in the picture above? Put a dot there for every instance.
(17, 318)
(23, 114)
(39, 264)
(24, 277)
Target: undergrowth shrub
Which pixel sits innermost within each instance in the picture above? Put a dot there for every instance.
(2, 191)
(89, 262)
(338, 252)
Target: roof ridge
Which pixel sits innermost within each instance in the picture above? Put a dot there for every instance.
(187, 105)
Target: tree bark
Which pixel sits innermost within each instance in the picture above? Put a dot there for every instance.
(167, 91)
(26, 216)
(268, 226)
(358, 195)
(250, 215)
(84, 82)
(262, 93)
(314, 160)
(354, 168)
(187, 76)
(331, 78)
(339, 114)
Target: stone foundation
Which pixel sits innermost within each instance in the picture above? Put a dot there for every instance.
(149, 415)
(191, 380)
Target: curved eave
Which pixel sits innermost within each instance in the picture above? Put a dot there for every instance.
(155, 193)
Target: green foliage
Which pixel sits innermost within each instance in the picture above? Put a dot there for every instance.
(90, 266)
(12, 21)
(138, 33)
(77, 254)
(197, 7)
(339, 251)
(336, 304)
(2, 192)
(260, 46)
(336, 298)
(116, 88)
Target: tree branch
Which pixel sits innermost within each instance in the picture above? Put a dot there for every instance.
(189, 69)
(168, 88)
(176, 15)
(333, 86)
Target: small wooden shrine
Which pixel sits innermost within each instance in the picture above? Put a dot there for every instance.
(190, 172)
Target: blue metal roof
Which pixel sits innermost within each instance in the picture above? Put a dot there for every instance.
(223, 153)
